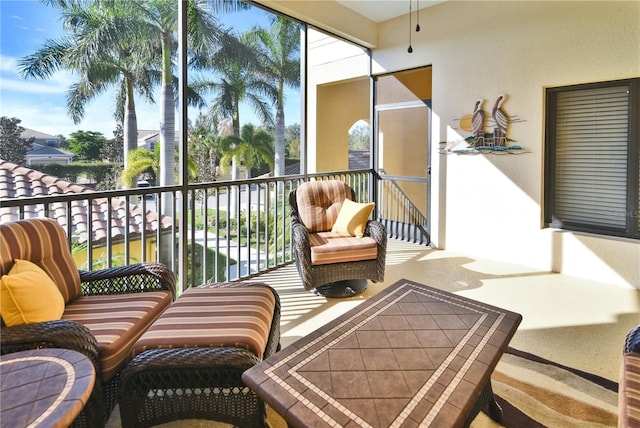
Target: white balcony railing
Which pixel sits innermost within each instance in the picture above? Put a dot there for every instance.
(207, 232)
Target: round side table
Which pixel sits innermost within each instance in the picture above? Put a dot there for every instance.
(44, 387)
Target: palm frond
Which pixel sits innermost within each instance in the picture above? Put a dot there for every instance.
(45, 61)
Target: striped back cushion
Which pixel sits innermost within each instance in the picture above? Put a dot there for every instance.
(41, 241)
(117, 321)
(214, 317)
(319, 203)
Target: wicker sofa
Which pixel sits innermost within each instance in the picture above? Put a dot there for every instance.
(326, 256)
(629, 390)
(104, 311)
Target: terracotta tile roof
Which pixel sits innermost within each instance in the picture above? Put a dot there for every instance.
(359, 159)
(22, 182)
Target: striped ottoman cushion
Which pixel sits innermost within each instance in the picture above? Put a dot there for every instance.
(214, 317)
(117, 321)
(629, 392)
(330, 247)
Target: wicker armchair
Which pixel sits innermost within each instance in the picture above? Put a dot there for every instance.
(141, 293)
(334, 275)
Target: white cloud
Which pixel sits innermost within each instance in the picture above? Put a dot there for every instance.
(8, 63)
(11, 79)
(51, 121)
(55, 121)
(32, 87)
(52, 118)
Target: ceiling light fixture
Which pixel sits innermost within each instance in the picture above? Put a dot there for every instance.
(410, 49)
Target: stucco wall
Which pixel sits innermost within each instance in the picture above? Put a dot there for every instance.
(334, 107)
(491, 205)
(340, 106)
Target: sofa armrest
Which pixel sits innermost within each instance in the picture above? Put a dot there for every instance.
(300, 237)
(136, 278)
(63, 334)
(377, 231)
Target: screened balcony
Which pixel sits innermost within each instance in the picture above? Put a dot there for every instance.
(206, 232)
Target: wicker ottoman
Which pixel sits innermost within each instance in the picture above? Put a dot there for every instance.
(189, 364)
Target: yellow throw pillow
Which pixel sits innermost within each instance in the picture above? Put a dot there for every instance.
(28, 295)
(352, 218)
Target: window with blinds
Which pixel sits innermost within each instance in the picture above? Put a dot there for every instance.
(591, 159)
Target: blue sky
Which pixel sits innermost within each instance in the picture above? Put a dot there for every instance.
(41, 104)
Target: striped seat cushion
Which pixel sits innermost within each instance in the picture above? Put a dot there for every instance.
(44, 242)
(319, 203)
(330, 247)
(214, 317)
(117, 321)
(629, 391)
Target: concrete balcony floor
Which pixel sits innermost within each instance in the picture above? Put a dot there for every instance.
(572, 321)
(569, 320)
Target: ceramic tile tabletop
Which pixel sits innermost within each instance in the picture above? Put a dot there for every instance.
(409, 356)
(44, 387)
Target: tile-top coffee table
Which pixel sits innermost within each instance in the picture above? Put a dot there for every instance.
(44, 387)
(409, 356)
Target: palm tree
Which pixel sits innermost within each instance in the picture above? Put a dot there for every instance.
(279, 65)
(205, 147)
(136, 42)
(236, 83)
(101, 59)
(156, 30)
(142, 160)
(252, 146)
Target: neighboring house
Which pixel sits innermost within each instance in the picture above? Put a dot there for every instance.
(291, 167)
(22, 182)
(148, 139)
(40, 138)
(45, 155)
(45, 149)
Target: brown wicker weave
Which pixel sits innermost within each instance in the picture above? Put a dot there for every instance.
(632, 341)
(316, 276)
(73, 335)
(163, 385)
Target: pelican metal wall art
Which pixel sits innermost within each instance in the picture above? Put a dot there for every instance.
(480, 140)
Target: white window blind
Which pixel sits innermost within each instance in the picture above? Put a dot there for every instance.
(591, 156)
